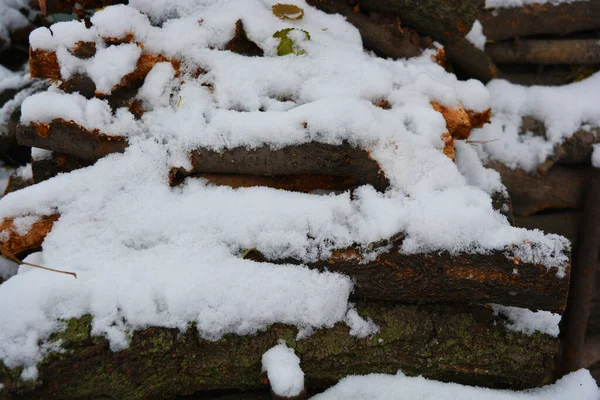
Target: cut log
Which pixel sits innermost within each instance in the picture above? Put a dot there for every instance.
(575, 150)
(70, 138)
(58, 163)
(561, 188)
(565, 223)
(440, 19)
(472, 61)
(311, 158)
(539, 19)
(419, 278)
(469, 346)
(545, 52)
(17, 244)
(383, 40)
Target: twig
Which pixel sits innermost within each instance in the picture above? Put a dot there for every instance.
(15, 259)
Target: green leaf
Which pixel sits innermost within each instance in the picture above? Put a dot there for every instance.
(286, 45)
(287, 11)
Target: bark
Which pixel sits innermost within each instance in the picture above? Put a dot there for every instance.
(384, 40)
(539, 19)
(537, 51)
(565, 223)
(311, 158)
(469, 346)
(69, 138)
(440, 19)
(65, 6)
(58, 163)
(471, 60)
(561, 188)
(582, 279)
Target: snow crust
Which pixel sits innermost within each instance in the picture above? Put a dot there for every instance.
(521, 3)
(563, 110)
(527, 321)
(147, 254)
(282, 366)
(579, 385)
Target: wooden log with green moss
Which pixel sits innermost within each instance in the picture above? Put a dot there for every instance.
(466, 345)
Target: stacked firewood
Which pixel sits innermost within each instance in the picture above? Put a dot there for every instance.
(429, 307)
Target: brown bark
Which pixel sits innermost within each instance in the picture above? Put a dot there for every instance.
(565, 223)
(577, 149)
(561, 188)
(65, 6)
(384, 40)
(69, 138)
(311, 158)
(58, 163)
(538, 19)
(465, 345)
(537, 51)
(440, 19)
(582, 278)
(474, 62)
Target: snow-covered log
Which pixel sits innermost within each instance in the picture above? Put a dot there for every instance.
(470, 346)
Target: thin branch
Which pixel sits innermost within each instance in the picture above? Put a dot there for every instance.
(15, 259)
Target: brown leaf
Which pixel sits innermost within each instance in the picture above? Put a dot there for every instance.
(240, 43)
(287, 11)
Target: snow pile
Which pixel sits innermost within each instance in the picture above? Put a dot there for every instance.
(527, 321)
(148, 254)
(596, 155)
(563, 110)
(282, 366)
(521, 3)
(579, 385)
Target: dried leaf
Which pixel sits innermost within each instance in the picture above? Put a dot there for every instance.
(287, 11)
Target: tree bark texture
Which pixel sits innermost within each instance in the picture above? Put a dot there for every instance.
(440, 19)
(70, 138)
(539, 19)
(545, 52)
(471, 60)
(561, 188)
(64, 6)
(469, 346)
(58, 163)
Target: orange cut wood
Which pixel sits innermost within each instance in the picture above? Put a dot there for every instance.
(13, 244)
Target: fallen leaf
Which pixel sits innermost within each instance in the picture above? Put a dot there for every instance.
(287, 11)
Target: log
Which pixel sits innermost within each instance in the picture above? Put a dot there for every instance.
(65, 6)
(540, 19)
(15, 244)
(577, 149)
(417, 278)
(471, 60)
(70, 138)
(58, 163)
(310, 158)
(561, 188)
(469, 346)
(545, 52)
(582, 285)
(440, 19)
(564, 223)
(384, 41)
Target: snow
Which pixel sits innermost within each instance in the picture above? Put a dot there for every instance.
(579, 385)
(147, 254)
(282, 366)
(476, 35)
(40, 154)
(596, 155)
(24, 172)
(563, 110)
(7, 268)
(521, 3)
(22, 225)
(527, 321)
(11, 18)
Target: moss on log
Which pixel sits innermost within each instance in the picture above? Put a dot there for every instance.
(469, 346)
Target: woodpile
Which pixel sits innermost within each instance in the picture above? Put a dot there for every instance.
(430, 307)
